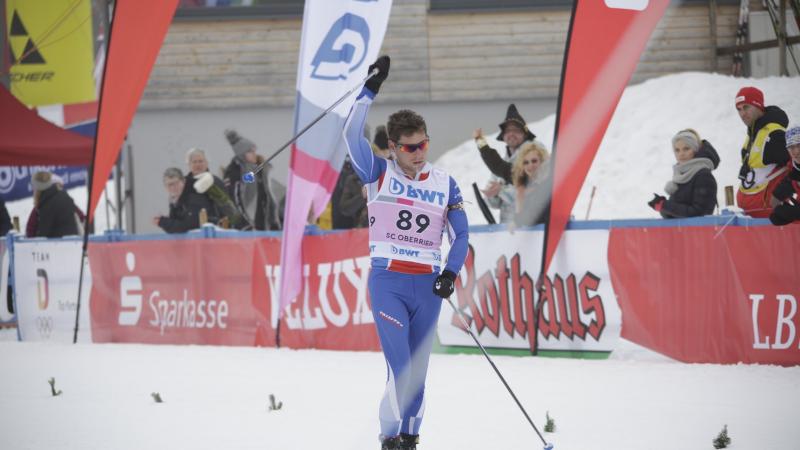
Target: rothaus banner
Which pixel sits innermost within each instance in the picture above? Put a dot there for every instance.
(46, 290)
(496, 291)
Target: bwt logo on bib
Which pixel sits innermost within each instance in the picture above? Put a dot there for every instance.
(397, 187)
(343, 50)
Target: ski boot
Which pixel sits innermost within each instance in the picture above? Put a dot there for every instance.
(409, 441)
(391, 443)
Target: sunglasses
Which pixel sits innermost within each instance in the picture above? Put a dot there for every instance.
(411, 148)
(529, 161)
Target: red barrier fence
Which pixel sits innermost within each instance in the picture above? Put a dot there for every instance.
(700, 295)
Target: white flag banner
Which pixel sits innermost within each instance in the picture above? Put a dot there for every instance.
(341, 38)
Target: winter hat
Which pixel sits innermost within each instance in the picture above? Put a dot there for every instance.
(240, 144)
(751, 96)
(40, 181)
(793, 136)
(689, 136)
(57, 179)
(513, 116)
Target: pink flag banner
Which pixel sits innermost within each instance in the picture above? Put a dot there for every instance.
(604, 44)
(341, 38)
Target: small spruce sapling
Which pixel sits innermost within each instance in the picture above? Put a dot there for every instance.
(272, 405)
(550, 425)
(722, 440)
(53, 390)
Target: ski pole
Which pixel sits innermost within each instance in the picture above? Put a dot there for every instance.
(547, 446)
(250, 177)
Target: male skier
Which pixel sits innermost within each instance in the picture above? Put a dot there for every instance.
(410, 205)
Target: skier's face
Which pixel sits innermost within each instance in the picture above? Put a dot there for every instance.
(411, 151)
(749, 113)
(682, 151)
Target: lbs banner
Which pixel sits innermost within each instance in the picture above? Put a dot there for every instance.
(496, 291)
(46, 287)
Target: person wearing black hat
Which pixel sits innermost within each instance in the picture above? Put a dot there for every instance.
(500, 190)
(514, 132)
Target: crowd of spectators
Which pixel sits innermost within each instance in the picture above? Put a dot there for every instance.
(519, 186)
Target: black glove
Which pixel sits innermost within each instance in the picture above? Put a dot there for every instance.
(444, 284)
(374, 83)
(784, 214)
(783, 190)
(657, 202)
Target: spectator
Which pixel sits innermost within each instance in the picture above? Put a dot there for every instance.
(216, 209)
(764, 156)
(693, 189)
(788, 191)
(514, 132)
(380, 145)
(33, 217)
(254, 201)
(182, 217)
(55, 209)
(502, 196)
(5, 219)
(530, 174)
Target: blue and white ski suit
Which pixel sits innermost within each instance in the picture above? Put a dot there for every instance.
(408, 218)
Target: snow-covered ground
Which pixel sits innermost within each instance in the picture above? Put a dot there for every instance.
(635, 158)
(218, 398)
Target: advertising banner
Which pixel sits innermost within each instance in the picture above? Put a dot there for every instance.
(176, 292)
(46, 290)
(52, 52)
(698, 294)
(340, 39)
(225, 292)
(496, 291)
(15, 181)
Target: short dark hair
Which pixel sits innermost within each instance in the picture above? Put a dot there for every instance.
(404, 123)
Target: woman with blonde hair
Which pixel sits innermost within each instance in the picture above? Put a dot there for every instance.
(529, 173)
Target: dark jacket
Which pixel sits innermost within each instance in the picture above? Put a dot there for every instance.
(182, 216)
(348, 205)
(497, 164)
(789, 191)
(5, 219)
(56, 212)
(698, 196)
(196, 201)
(267, 213)
(775, 149)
